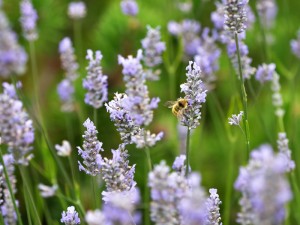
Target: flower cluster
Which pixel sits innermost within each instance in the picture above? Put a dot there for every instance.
(6, 203)
(129, 7)
(194, 94)
(285, 152)
(189, 30)
(70, 217)
(76, 10)
(267, 11)
(28, 20)
(265, 190)
(65, 88)
(235, 15)
(96, 82)
(16, 128)
(13, 58)
(276, 96)
(265, 72)
(91, 150)
(236, 119)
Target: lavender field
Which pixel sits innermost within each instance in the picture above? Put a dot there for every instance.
(131, 112)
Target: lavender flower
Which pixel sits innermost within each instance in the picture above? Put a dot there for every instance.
(76, 10)
(47, 191)
(65, 88)
(207, 57)
(236, 119)
(185, 6)
(285, 152)
(265, 72)
(265, 190)
(90, 153)
(129, 7)
(213, 208)
(96, 82)
(235, 15)
(64, 149)
(153, 47)
(167, 189)
(138, 104)
(28, 20)
(16, 129)
(267, 11)
(70, 217)
(295, 45)
(95, 218)
(6, 203)
(117, 173)
(276, 96)
(194, 94)
(178, 164)
(13, 58)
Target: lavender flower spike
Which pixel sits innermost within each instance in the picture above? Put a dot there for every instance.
(285, 152)
(28, 20)
(76, 10)
(235, 15)
(70, 217)
(96, 82)
(13, 57)
(90, 153)
(213, 208)
(194, 94)
(265, 72)
(129, 7)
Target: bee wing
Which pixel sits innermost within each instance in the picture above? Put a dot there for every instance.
(170, 104)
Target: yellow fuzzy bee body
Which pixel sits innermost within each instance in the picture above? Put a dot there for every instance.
(178, 106)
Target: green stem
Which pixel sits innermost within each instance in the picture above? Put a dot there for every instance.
(147, 191)
(243, 96)
(78, 39)
(27, 208)
(95, 116)
(10, 188)
(187, 151)
(77, 203)
(27, 189)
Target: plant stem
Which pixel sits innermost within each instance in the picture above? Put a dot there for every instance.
(147, 191)
(243, 96)
(10, 188)
(78, 39)
(187, 151)
(95, 117)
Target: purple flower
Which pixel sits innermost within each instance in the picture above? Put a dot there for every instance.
(129, 7)
(178, 164)
(265, 72)
(90, 153)
(28, 20)
(70, 217)
(96, 82)
(267, 11)
(13, 58)
(285, 152)
(194, 94)
(265, 190)
(236, 119)
(295, 45)
(235, 15)
(213, 208)
(65, 90)
(276, 96)
(76, 10)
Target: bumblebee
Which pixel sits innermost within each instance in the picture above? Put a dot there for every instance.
(178, 106)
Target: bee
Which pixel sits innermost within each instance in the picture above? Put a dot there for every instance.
(178, 107)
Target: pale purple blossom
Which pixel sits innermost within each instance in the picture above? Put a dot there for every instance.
(265, 72)
(70, 217)
(95, 82)
(96, 217)
(213, 208)
(129, 7)
(47, 191)
(285, 152)
(236, 119)
(91, 150)
(76, 10)
(65, 90)
(13, 57)
(28, 20)
(267, 11)
(194, 94)
(295, 45)
(179, 164)
(235, 15)
(64, 149)
(276, 96)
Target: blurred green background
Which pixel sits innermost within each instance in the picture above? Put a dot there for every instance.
(105, 28)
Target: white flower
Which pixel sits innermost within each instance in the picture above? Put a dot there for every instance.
(236, 119)
(64, 149)
(95, 218)
(47, 191)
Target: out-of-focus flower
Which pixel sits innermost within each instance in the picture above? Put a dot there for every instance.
(28, 20)
(235, 15)
(16, 129)
(95, 82)
(64, 149)
(129, 7)
(90, 153)
(13, 58)
(76, 10)
(70, 217)
(265, 190)
(213, 208)
(95, 218)
(236, 119)
(267, 11)
(285, 152)
(65, 90)
(276, 96)
(194, 94)
(178, 164)
(295, 45)
(47, 191)
(265, 72)
(185, 6)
